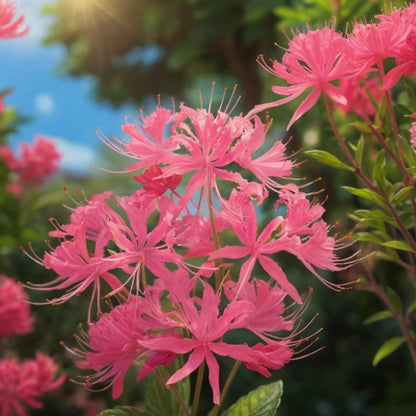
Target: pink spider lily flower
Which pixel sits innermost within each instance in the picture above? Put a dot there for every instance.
(207, 141)
(91, 217)
(147, 143)
(314, 60)
(15, 317)
(272, 164)
(112, 345)
(406, 54)
(205, 327)
(356, 92)
(139, 248)
(264, 304)
(10, 28)
(303, 233)
(23, 384)
(372, 43)
(257, 248)
(77, 270)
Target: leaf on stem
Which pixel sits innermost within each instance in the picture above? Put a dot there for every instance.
(328, 159)
(378, 316)
(394, 299)
(262, 401)
(400, 195)
(387, 348)
(398, 245)
(366, 194)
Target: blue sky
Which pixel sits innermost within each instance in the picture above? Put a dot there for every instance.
(60, 107)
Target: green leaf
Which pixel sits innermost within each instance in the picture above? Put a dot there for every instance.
(366, 194)
(400, 195)
(125, 411)
(162, 401)
(398, 245)
(411, 308)
(262, 401)
(378, 316)
(365, 236)
(394, 299)
(380, 171)
(387, 348)
(328, 159)
(359, 151)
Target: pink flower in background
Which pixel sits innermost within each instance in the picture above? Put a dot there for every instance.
(355, 91)
(15, 317)
(23, 383)
(313, 60)
(372, 43)
(8, 27)
(37, 161)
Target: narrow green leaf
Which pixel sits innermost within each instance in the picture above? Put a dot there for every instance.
(125, 411)
(328, 159)
(411, 308)
(262, 401)
(380, 171)
(359, 151)
(400, 195)
(387, 348)
(378, 316)
(394, 298)
(366, 194)
(365, 236)
(398, 245)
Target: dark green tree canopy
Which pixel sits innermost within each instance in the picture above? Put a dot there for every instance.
(136, 48)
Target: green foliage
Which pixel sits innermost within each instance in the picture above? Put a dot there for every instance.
(262, 401)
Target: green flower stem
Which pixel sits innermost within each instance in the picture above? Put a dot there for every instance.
(227, 385)
(198, 387)
(218, 262)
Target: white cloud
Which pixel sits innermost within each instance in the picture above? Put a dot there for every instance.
(77, 159)
(44, 103)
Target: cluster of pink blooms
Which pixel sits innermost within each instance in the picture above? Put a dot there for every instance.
(342, 67)
(165, 251)
(21, 383)
(186, 254)
(37, 161)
